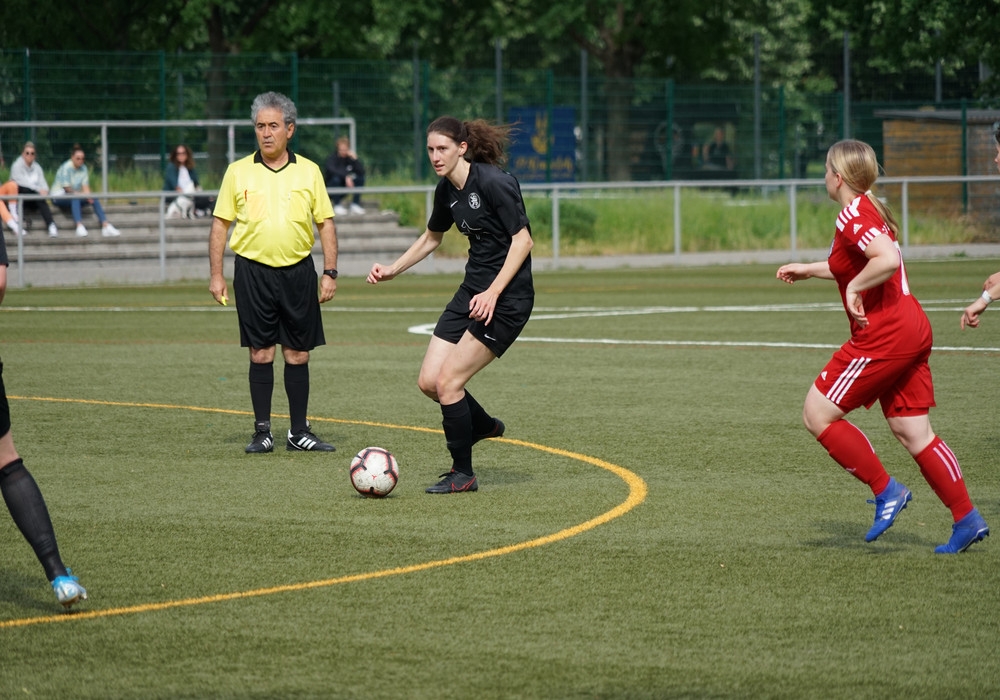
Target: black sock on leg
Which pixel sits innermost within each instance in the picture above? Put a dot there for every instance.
(457, 424)
(261, 389)
(27, 507)
(482, 422)
(297, 389)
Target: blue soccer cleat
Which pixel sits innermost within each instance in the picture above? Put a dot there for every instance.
(966, 532)
(888, 505)
(68, 589)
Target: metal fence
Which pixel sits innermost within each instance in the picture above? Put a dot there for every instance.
(644, 129)
(907, 195)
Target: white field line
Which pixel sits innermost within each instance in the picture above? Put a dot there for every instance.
(951, 306)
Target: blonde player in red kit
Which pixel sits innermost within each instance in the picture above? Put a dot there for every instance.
(885, 359)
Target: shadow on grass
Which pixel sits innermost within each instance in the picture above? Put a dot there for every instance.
(842, 534)
(27, 592)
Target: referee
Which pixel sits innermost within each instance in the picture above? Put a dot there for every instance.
(275, 197)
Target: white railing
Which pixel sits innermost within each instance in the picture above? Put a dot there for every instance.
(559, 191)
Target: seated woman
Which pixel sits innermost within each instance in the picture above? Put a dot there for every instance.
(180, 176)
(73, 177)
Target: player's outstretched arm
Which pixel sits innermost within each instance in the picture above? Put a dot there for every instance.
(794, 272)
(421, 248)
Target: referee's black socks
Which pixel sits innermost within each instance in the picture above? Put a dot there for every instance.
(297, 389)
(261, 389)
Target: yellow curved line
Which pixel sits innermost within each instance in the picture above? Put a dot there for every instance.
(637, 494)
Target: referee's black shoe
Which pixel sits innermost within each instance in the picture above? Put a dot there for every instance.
(262, 441)
(306, 441)
(454, 482)
(496, 432)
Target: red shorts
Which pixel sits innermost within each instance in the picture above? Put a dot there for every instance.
(902, 385)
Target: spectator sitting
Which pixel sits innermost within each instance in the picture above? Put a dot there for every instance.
(72, 177)
(29, 177)
(343, 169)
(181, 176)
(716, 154)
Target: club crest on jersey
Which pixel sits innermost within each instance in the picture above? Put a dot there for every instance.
(474, 201)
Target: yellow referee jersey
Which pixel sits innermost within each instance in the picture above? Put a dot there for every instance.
(274, 210)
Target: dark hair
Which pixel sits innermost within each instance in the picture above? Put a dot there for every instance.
(190, 156)
(486, 141)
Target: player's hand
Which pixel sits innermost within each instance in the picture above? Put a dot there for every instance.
(970, 317)
(380, 273)
(482, 305)
(792, 272)
(855, 307)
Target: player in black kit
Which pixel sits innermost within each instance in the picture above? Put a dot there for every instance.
(24, 499)
(494, 301)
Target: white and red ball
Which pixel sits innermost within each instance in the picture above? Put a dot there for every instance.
(374, 472)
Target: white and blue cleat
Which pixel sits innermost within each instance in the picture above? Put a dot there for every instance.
(68, 589)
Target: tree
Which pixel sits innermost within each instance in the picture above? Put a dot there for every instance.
(626, 39)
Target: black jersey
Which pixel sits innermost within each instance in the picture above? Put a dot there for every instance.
(489, 210)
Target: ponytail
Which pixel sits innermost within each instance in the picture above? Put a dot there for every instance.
(856, 163)
(486, 141)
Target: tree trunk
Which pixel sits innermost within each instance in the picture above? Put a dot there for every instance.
(619, 147)
(217, 102)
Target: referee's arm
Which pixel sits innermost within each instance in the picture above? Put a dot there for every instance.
(328, 240)
(216, 249)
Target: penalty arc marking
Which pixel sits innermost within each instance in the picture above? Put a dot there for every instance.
(636, 495)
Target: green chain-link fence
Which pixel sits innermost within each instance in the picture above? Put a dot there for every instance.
(581, 128)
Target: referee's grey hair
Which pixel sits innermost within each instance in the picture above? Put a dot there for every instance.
(274, 100)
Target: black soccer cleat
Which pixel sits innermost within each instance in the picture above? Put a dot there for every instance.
(262, 441)
(454, 482)
(496, 432)
(306, 441)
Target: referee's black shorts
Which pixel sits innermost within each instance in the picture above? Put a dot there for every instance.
(509, 318)
(278, 305)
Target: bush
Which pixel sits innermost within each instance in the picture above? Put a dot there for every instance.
(576, 222)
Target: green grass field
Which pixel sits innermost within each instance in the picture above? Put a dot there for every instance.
(655, 524)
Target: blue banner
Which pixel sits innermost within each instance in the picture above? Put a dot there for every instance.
(543, 149)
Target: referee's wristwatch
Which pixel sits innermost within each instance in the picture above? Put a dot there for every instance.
(332, 273)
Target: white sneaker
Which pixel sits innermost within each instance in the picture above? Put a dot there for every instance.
(12, 225)
(340, 210)
(357, 208)
(109, 231)
(81, 230)
(53, 231)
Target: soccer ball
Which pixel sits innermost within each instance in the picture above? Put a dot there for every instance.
(374, 472)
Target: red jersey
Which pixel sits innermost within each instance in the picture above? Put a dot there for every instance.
(897, 325)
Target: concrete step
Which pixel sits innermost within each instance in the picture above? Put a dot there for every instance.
(374, 235)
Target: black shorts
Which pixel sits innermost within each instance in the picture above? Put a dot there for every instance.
(509, 319)
(278, 305)
(4, 407)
